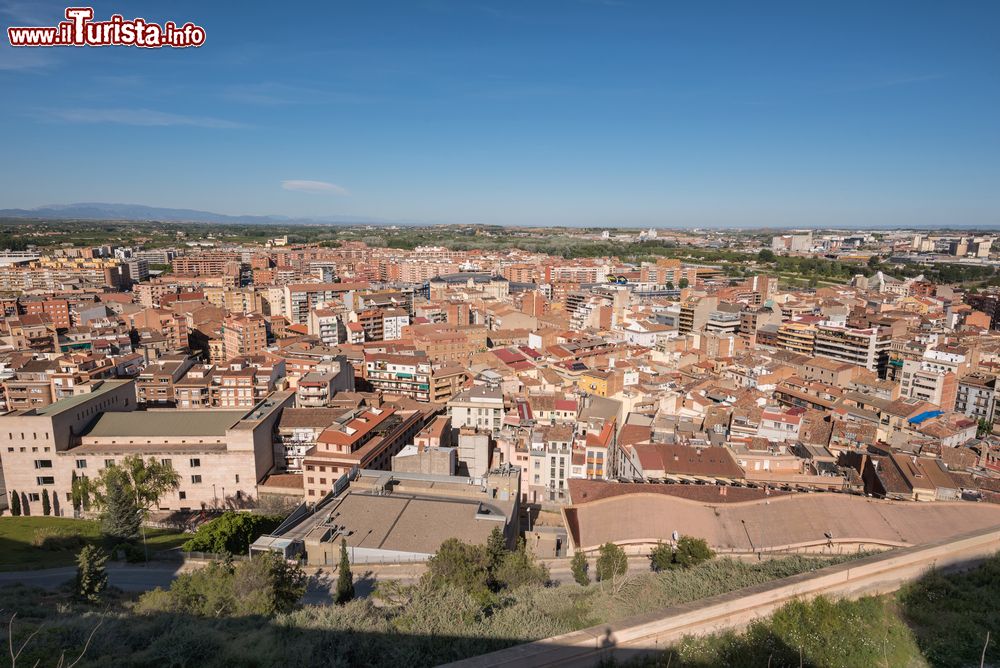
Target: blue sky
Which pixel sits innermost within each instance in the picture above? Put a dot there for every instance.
(588, 112)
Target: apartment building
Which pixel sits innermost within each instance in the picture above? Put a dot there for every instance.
(480, 407)
(367, 438)
(798, 337)
(407, 375)
(694, 314)
(868, 348)
(550, 464)
(155, 384)
(976, 396)
(919, 382)
(244, 335)
(301, 298)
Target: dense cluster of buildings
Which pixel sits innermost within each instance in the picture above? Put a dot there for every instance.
(354, 378)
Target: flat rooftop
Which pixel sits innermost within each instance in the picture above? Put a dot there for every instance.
(405, 522)
(165, 423)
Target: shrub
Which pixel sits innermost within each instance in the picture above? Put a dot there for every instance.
(611, 562)
(91, 576)
(46, 503)
(460, 565)
(519, 569)
(57, 539)
(579, 568)
(266, 585)
(15, 504)
(481, 570)
(231, 533)
(692, 551)
(661, 557)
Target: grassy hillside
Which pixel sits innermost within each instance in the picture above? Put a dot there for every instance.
(412, 626)
(49, 542)
(941, 620)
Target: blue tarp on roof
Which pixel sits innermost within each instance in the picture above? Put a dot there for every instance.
(926, 415)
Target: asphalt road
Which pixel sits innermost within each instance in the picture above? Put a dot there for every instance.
(127, 578)
(144, 578)
(322, 583)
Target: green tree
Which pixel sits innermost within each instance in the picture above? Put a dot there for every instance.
(519, 568)
(15, 504)
(146, 481)
(267, 585)
(458, 564)
(120, 517)
(46, 503)
(231, 533)
(874, 262)
(579, 567)
(91, 575)
(670, 285)
(661, 557)
(692, 551)
(496, 550)
(135, 483)
(984, 427)
(74, 493)
(611, 562)
(766, 255)
(25, 505)
(683, 283)
(345, 579)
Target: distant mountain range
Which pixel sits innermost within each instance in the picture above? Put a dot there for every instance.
(139, 212)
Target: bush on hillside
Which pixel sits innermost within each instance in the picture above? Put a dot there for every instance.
(611, 562)
(231, 533)
(264, 586)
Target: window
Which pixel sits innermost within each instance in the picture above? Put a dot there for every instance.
(108, 463)
(168, 463)
(195, 479)
(33, 496)
(182, 495)
(45, 480)
(195, 463)
(81, 463)
(43, 463)
(237, 477)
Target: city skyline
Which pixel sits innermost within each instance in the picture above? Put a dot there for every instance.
(577, 113)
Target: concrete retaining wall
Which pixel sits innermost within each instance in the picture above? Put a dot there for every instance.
(634, 636)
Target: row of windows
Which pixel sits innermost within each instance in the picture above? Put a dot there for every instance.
(99, 407)
(34, 436)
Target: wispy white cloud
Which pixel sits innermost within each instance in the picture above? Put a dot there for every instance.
(140, 117)
(892, 82)
(305, 186)
(276, 94)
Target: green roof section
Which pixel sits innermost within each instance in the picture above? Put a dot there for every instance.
(72, 402)
(165, 423)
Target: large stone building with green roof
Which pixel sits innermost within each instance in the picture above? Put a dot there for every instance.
(220, 455)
